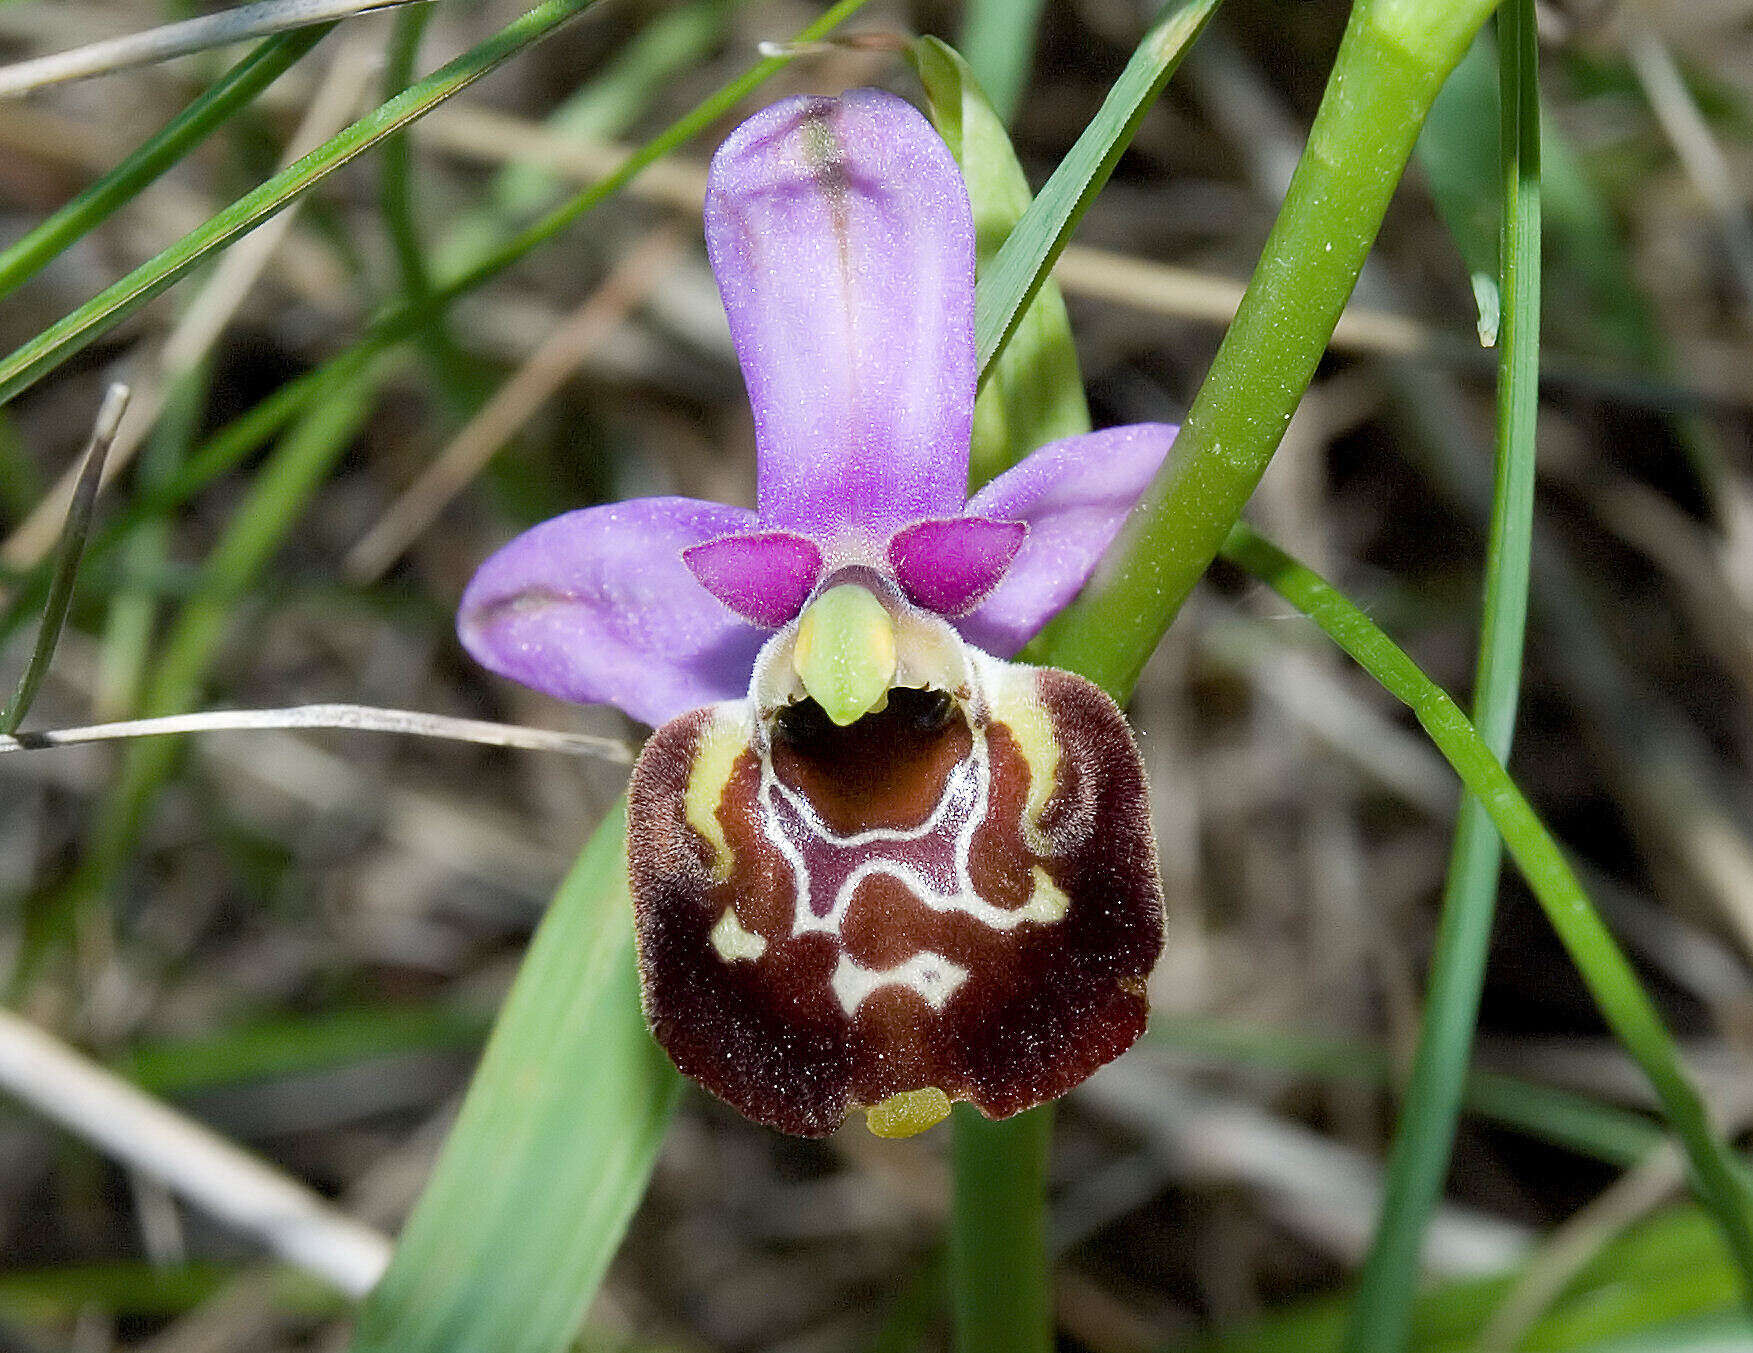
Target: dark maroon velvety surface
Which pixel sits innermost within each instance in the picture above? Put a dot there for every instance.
(1045, 1003)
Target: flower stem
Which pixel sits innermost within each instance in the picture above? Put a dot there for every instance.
(1419, 1160)
(1391, 62)
(998, 1233)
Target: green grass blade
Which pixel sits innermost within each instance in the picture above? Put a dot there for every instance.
(998, 1233)
(1419, 1159)
(914, 1311)
(553, 1148)
(131, 619)
(1034, 246)
(64, 567)
(1698, 1334)
(1392, 61)
(97, 316)
(1610, 979)
(257, 529)
(999, 39)
(283, 1046)
(396, 157)
(55, 1296)
(1455, 150)
(1034, 393)
(599, 111)
(457, 379)
(232, 91)
(1596, 304)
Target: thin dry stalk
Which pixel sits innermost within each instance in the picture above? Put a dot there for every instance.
(221, 1179)
(181, 39)
(485, 136)
(353, 718)
(1564, 1253)
(1691, 137)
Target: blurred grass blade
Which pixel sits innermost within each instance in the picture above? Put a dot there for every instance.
(1669, 1267)
(553, 1148)
(396, 159)
(998, 37)
(228, 26)
(279, 1046)
(61, 340)
(1611, 981)
(602, 110)
(1034, 394)
(255, 532)
(1456, 150)
(1590, 1127)
(913, 1312)
(232, 91)
(460, 381)
(65, 569)
(1028, 255)
(1418, 1161)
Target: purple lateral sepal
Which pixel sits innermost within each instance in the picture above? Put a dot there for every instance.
(1074, 494)
(950, 565)
(597, 606)
(843, 243)
(765, 577)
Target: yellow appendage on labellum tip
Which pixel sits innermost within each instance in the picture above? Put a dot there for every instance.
(908, 1113)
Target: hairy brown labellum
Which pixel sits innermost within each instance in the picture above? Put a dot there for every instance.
(957, 891)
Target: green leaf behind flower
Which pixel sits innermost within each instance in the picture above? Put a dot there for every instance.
(1034, 393)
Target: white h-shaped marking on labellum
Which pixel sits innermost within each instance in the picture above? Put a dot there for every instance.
(789, 821)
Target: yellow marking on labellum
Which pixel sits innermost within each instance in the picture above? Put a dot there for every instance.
(845, 652)
(1020, 709)
(908, 1113)
(733, 942)
(714, 761)
(1048, 903)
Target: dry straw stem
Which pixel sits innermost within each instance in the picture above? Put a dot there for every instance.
(180, 39)
(512, 405)
(221, 1179)
(485, 136)
(1325, 1191)
(354, 718)
(1573, 1244)
(330, 109)
(1691, 138)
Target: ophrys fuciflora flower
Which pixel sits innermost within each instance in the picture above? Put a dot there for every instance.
(873, 863)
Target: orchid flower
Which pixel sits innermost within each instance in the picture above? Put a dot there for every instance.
(872, 862)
